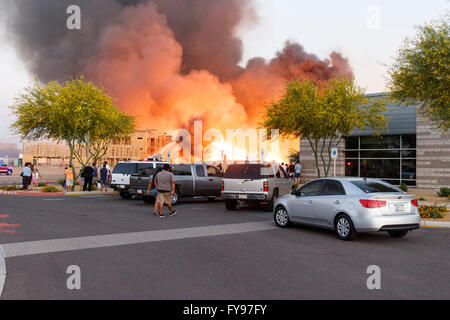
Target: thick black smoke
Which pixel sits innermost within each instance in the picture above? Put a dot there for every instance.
(204, 28)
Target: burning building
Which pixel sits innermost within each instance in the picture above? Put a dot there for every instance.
(167, 62)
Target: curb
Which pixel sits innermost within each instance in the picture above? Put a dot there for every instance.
(432, 223)
(2, 270)
(24, 193)
(88, 193)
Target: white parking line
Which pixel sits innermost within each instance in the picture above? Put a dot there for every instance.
(2, 270)
(111, 240)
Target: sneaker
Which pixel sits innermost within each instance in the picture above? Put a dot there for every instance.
(174, 212)
(162, 216)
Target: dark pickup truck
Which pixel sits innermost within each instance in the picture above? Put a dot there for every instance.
(191, 180)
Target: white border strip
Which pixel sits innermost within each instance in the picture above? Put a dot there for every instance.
(439, 224)
(111, 240)
(2, 270)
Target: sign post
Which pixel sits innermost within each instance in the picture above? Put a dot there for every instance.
(334, 153)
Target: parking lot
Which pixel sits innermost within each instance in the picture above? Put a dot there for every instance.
(204, 252)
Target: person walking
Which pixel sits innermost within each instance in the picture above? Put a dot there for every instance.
(26, 176)
(152, 189)
(298, 170)
(88, 173)
(69, 178)
(165, 186)
(104, 178)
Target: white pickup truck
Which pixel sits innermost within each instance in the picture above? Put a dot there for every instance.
(254, 183)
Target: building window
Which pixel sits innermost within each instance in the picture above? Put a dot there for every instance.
(391, 158)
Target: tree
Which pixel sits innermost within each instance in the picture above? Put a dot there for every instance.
(421, 72)
(78, 113)
(323, 113)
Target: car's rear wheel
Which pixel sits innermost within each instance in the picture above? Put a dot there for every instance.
(230, 204)
(281, 217)
(125, 195)
(398, 233)
(9, 173)
(344, 227)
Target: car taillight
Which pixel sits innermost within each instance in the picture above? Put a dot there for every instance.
(222, 186)
(266, 186)
(373, 203)
(414, 203)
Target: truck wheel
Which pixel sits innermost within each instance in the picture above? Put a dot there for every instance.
(125, 195)
(230, 204)
(9, 173)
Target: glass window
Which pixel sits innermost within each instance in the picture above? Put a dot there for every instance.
(409, 141)
(380, 154)
(351, 167)
(213, 172)
(351, 154)
(312, 188)
(383, 142)
(408, 153)
(351, 143)
(332, 187)
(125, 168)
(249, 171)
(409, 169)
(372, 186)
(380, 168)
(145, 169)
(182, 170)
(200, 171)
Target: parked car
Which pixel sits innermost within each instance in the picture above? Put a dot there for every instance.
(5, 169)
(191, 180)
(254, 183)
(349, 206)
(120, 180)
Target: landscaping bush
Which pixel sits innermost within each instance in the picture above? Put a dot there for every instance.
(404, 187)
(50, 189)
(422, 199)
(444, 192)
(41, 184)
(433, 212)
(10, 188)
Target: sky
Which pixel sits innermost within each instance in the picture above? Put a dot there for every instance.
(367, 32)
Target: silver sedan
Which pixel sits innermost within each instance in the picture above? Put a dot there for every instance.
(349, 206)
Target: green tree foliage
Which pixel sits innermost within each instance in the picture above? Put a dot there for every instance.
(78, 113)
(421, 72)
(323, 113)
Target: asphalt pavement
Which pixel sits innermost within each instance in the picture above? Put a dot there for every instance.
(204, 252)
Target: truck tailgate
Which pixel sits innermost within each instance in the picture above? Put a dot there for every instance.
(243, 185)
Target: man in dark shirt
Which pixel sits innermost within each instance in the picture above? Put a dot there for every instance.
(88, 172)
(104, 178)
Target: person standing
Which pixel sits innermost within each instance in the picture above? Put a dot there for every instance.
(26, 176)
(35, 176)
(69, 178)
(104, 178)
(165, 186)
(95, 174)
(88, 173)
(298, 170)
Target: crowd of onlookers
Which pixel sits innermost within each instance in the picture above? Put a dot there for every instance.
(88, 176)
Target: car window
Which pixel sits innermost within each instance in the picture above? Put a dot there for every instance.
(200, 171)
(371, 186)
(145, 169)
(332, 187)
(249, 171)
(213, 172)
(182, 170)
(312, 188)
(125, 168)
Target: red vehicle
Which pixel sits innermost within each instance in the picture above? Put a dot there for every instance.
(5, 169)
